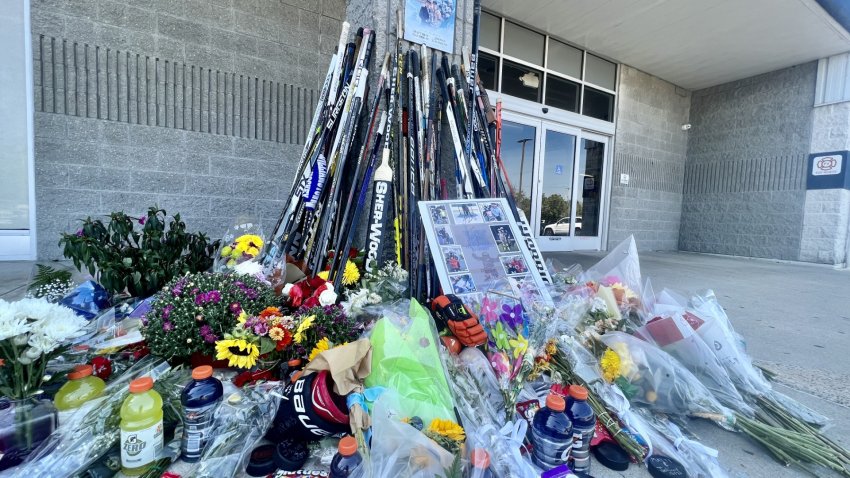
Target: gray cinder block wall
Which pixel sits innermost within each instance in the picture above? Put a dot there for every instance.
(199, 106)
(650, 147)
(745, 174)
(826, 221)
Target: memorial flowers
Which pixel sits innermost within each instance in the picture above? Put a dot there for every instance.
(194, 312)
(32, 332)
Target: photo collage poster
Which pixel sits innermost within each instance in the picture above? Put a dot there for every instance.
(478, 249)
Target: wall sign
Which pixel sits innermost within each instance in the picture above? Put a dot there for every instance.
(430, 23)
(827, 165)
(827, 171)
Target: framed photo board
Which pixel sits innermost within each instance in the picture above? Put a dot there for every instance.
(477, 247)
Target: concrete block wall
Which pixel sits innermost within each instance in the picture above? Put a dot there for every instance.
(650, 147)
(826, 222)
(745, 174)
(198, 106)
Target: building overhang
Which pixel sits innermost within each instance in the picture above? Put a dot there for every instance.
(691, 43)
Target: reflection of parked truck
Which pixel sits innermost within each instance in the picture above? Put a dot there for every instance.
(561, 228)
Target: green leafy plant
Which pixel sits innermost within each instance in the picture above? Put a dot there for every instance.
(47, 275)
(139, 255)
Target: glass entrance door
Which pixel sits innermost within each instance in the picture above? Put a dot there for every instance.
(558, 177)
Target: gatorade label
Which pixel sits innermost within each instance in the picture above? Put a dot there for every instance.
(141, 447)
(197, 425)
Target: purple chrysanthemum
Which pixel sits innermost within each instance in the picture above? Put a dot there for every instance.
(167, 326)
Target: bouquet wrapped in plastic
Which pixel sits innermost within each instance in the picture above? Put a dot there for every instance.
(651, 378)
(508, 328)
(239, 423)
(405, 359)
(674, 334)
(240, 248)
(400, 449)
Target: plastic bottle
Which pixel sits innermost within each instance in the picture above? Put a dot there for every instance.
(551, 434)
(200, 398)
(346, 459)
(480, 464)
(584, 425)
(141, 427)
(81, 387)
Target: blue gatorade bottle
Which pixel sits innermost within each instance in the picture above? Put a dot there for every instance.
(551, 434)
(584, 426)
(346, 459)
(200, 398)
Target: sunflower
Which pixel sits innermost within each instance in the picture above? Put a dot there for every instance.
(303, 327)
(320, 347)
(238, 352)
(610, 363)
(448, 429)
(351, 274)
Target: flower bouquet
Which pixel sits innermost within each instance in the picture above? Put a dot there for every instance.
(508, 329)
(265, 336)
(241, 243)
(381, 285)
(651, 378)
(321, 328)
(32, 332)
(193, 312)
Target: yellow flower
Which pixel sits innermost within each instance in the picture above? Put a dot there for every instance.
(252, 239)
(252, 251)
(303, 327)
(320, 347)
(551, 347)
(610, 363)
(277, 334)
(238, 352)
(351, 274)
(520, 345)
(242, 317)
(448, 429)
(323, 275)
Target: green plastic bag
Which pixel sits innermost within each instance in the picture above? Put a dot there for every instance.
(405, 359)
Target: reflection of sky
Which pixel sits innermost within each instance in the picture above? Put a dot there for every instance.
(558, 168)
(512, 154)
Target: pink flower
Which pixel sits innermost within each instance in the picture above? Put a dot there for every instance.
(167, 326)
(500, 364)
(489, 310)
(142, 220)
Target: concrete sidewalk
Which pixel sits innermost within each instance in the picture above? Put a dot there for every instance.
(795, 318)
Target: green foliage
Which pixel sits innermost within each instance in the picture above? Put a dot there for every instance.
(48, 275)
(455, 470)
(121, 255)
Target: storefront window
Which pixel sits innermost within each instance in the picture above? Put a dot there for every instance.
(598, 104)
(488, 70)
(600, 72)
(564, 59)
(522, 81)
(491, 31)
(518, 144)
(525, 44)
(562, 93)
(521, 62)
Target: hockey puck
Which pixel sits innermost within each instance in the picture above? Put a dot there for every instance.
(261, 462)
(664, 467)
(290, 455)
(611, 456)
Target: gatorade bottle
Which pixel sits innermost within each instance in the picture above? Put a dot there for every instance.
(200, 399)
(81, 387)
(584, 425)
(141, 427)
(346, 459)
(551, 434)
(480, 464)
